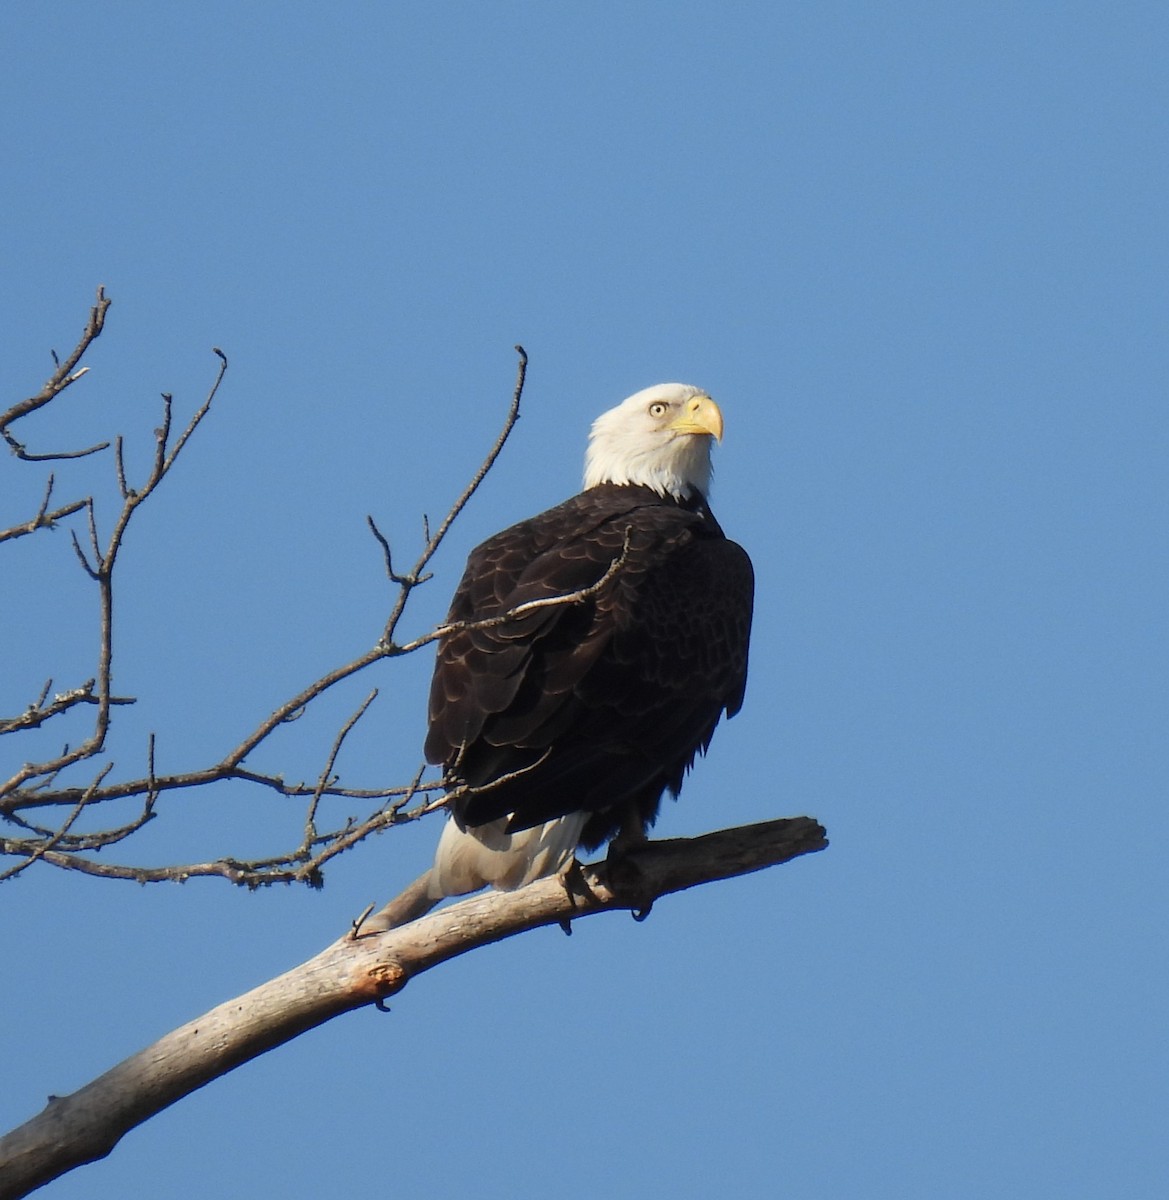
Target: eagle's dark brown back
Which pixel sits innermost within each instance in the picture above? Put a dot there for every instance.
(592, 705)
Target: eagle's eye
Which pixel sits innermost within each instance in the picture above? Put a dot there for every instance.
(658, 409)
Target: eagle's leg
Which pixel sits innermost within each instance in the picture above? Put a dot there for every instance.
(624, 876)
(572, 879)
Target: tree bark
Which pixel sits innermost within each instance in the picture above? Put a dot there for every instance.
(365, 968)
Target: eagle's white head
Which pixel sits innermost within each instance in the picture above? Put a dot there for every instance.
(659, 438)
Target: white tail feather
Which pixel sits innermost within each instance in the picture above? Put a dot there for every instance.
(486, 855)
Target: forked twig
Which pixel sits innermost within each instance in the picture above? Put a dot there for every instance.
(67, 373)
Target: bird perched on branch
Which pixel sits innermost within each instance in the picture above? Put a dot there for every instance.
(569, 720)
(591, 652)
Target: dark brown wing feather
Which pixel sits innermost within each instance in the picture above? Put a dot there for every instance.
(604, 703)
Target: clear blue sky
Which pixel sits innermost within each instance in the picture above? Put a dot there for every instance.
(918, 253)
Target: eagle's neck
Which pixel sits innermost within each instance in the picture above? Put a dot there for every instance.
(680, 469)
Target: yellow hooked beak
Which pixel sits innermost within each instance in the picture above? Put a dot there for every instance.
(700, 414)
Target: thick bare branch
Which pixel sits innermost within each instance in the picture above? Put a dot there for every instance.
(357, 971)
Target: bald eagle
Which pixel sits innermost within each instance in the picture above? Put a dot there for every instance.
(563, 725)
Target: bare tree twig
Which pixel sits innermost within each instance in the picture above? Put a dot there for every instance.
(407, 583)
(56, 455)
(310, 826)
(528, 606)
(38, 712)
(43, 519)
(46, 845)
(44, 797)
(67, 372)
(101, 568)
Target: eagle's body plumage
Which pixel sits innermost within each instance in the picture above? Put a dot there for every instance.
(570, 720)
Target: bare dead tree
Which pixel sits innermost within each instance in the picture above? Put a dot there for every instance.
(51, 805)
